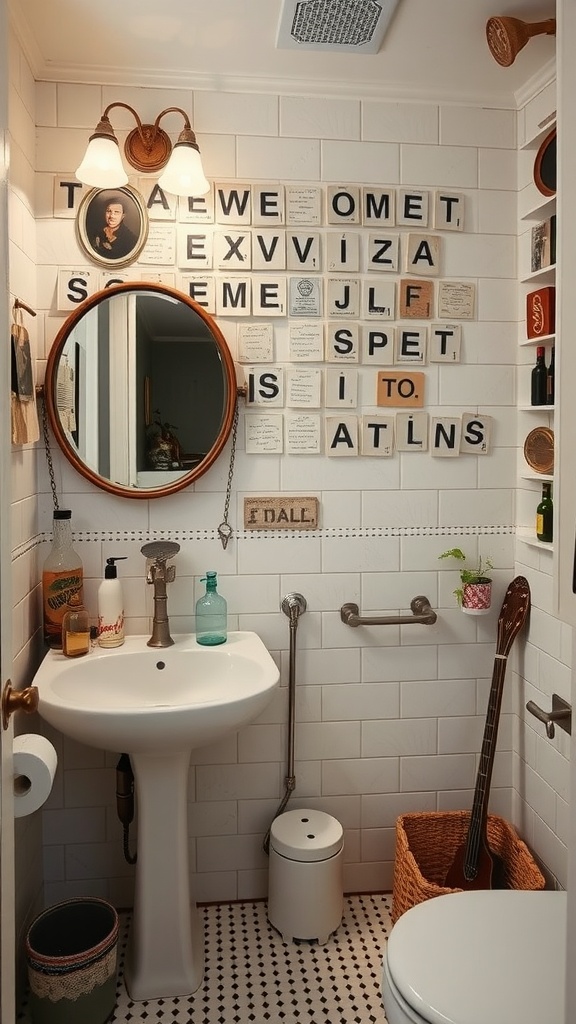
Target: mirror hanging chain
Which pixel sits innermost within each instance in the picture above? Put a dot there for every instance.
(225, 531)
(48, 452)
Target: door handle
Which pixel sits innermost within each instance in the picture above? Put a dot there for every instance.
(18, 700)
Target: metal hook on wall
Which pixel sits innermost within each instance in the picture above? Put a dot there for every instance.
(18, 304)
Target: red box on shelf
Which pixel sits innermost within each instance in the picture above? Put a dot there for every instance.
(541, 312)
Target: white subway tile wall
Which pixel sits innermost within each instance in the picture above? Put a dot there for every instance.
(389, 720)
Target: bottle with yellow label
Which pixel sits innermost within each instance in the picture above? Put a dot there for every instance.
(545, 515)
(62, 576)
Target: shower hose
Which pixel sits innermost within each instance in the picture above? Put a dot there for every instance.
(293, 606)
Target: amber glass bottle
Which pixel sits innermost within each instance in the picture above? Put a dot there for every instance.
(75, 628)
(62, 576)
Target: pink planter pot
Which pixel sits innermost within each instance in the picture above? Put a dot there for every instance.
(476, 598)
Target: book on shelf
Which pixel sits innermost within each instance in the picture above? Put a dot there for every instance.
(543, 244)
(540, 312)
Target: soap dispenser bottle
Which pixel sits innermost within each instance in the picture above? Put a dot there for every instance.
(211, 614)
(111, 606)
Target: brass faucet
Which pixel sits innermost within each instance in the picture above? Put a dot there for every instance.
(159, 574)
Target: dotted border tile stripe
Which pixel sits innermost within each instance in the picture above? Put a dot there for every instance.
(346, 532)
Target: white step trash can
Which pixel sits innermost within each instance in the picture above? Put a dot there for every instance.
(305, 897)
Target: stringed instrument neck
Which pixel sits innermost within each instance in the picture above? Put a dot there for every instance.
(477, 829)
(475, 865)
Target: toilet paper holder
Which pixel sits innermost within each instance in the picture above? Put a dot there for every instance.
(18, 700)
(561, 715)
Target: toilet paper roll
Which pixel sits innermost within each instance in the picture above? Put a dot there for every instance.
(35, 762)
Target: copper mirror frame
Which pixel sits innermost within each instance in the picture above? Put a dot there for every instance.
(230, 391)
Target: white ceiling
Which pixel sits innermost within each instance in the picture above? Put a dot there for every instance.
(433, 48)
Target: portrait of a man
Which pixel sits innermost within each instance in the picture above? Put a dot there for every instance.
(113, 225)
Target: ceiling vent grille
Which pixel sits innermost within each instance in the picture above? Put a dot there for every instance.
(337, 25)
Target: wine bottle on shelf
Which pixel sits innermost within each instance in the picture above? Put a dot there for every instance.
(539, 379)
(550, 380)
(545, 515)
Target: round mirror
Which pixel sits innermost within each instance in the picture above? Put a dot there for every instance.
(140, 390)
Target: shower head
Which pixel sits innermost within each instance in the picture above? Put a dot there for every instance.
(160, 550)
(507, 36)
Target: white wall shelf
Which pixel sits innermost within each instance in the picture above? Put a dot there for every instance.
(541, 211)
(527, 536)
(540, 477)
(545, 276)
(543, 208)
(535, 140)
(546, 339)
(536, 408)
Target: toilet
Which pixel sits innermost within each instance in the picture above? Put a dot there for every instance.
(483, 957)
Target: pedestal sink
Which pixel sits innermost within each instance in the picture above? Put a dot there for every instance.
(158, 704)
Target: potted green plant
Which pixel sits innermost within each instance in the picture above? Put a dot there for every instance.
(475, 594)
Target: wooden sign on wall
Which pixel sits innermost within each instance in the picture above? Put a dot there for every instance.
(280, 513)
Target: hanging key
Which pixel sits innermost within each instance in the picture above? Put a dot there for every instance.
(225, 531)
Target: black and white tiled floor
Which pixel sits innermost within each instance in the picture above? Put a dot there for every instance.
(252, 975)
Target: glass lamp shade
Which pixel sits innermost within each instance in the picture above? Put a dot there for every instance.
(102, 165)
(184, 174)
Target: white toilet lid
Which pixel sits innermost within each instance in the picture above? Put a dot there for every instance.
(490, 957)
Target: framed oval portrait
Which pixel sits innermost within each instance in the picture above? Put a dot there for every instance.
(112, 225)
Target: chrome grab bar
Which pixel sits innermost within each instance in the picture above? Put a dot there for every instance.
(421, 613)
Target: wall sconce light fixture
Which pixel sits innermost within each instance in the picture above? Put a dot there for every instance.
(507, 36)
(147, 149)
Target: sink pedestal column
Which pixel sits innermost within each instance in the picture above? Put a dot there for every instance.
(166, 947)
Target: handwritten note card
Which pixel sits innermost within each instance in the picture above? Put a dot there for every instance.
(303, 434)
(306, 342)
(263, 434)
(304, 388)
(255, 343)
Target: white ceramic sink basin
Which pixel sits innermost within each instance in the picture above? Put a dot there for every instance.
(157, 704)
(136, 698)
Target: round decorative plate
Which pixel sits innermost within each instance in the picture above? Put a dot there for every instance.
(539, 449)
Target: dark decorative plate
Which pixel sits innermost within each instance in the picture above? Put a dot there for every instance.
(545, 166)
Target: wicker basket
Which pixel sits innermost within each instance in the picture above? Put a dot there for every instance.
(425, 847)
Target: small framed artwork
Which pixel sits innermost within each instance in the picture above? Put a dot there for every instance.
(22, 374)
(112, 225)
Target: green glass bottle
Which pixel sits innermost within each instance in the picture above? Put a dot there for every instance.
(545, 515)
(211, 614)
